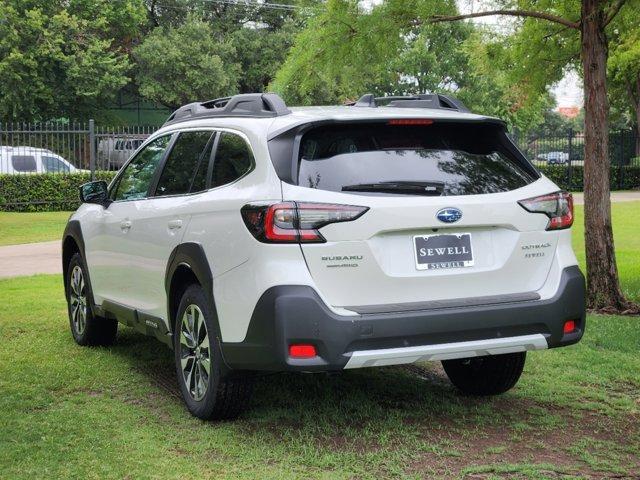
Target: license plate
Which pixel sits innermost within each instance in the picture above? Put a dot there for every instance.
(450, 250)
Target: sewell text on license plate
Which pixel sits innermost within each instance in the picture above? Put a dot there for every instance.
(448, 250)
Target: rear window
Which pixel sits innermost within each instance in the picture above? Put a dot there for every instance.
(436, 159)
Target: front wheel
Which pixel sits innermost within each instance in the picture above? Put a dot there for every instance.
(209, 392)
(489, 375)
(86, 328)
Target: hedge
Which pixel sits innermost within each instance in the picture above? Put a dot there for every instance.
(54, 191)
(45, 191)
(621, 178)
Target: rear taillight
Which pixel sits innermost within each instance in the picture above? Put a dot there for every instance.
(557, 206)
(295, 222)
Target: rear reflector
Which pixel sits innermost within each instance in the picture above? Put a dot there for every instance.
(569, 326)
(293, 222)
(557, 206)
(302, 350)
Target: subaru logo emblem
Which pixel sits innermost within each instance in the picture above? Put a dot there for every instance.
(449, 215)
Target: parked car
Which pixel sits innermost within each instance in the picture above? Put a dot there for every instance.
(251, 237)
(21, 160)
(555, 158)
(113, 152)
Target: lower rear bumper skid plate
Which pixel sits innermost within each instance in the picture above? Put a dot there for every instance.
(445, 351)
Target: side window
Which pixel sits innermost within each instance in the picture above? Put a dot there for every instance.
(200, 178)
(233, 159)
(55, 165)
(23, 163)
(182, 164)
(135, 180)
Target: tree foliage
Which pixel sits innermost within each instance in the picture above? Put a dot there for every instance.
(186, 63)
(346, 51)
(201, 50)
(624, 64)
(581, 34)
(63, 58)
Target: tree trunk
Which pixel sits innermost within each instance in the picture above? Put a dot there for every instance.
(603, 287)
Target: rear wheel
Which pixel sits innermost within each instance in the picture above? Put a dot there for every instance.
(207, 389)
(489, 375)
(86, 328)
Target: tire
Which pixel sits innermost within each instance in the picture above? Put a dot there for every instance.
(212, 395)
(489, 375)
(87, 329)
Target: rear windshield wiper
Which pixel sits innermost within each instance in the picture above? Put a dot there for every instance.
(433, 189)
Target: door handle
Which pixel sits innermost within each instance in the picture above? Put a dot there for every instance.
(125, 225)
(175, 224)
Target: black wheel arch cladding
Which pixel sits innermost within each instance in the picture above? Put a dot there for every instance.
(73, 242)
(189, 257)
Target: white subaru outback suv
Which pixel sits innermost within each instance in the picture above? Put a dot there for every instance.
(251, 237)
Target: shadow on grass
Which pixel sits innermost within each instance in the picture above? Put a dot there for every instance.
(376, 401)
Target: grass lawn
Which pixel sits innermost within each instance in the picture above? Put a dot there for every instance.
(626, 233)
(31, 227)
(73, 412)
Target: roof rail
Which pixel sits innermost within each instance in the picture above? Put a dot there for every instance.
(255, 105)
(429, 100)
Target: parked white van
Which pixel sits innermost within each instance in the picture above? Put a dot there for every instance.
(18, 160)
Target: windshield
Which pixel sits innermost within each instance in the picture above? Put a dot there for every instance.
(404, 160)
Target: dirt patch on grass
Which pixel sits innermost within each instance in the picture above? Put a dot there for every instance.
(535, 439)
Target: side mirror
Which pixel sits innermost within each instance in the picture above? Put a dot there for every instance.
(95, 192)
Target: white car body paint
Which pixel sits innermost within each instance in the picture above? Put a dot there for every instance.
(127, 245)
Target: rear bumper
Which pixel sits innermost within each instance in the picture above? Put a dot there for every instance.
(295, 314)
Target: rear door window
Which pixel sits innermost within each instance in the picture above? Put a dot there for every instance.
(435, 159)
(187, 158)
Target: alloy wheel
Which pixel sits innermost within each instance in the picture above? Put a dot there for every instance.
(78, 300)
(195, 354)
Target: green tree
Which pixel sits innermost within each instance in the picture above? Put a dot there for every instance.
(346, 51)
(260, 53)
(260, 35)
(490, 89)
(580, 30)
(624, 67)
(179, 65)
(63, 58)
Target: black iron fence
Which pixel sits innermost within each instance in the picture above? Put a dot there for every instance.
(561, 157)
(94, 151)
(67, 147)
